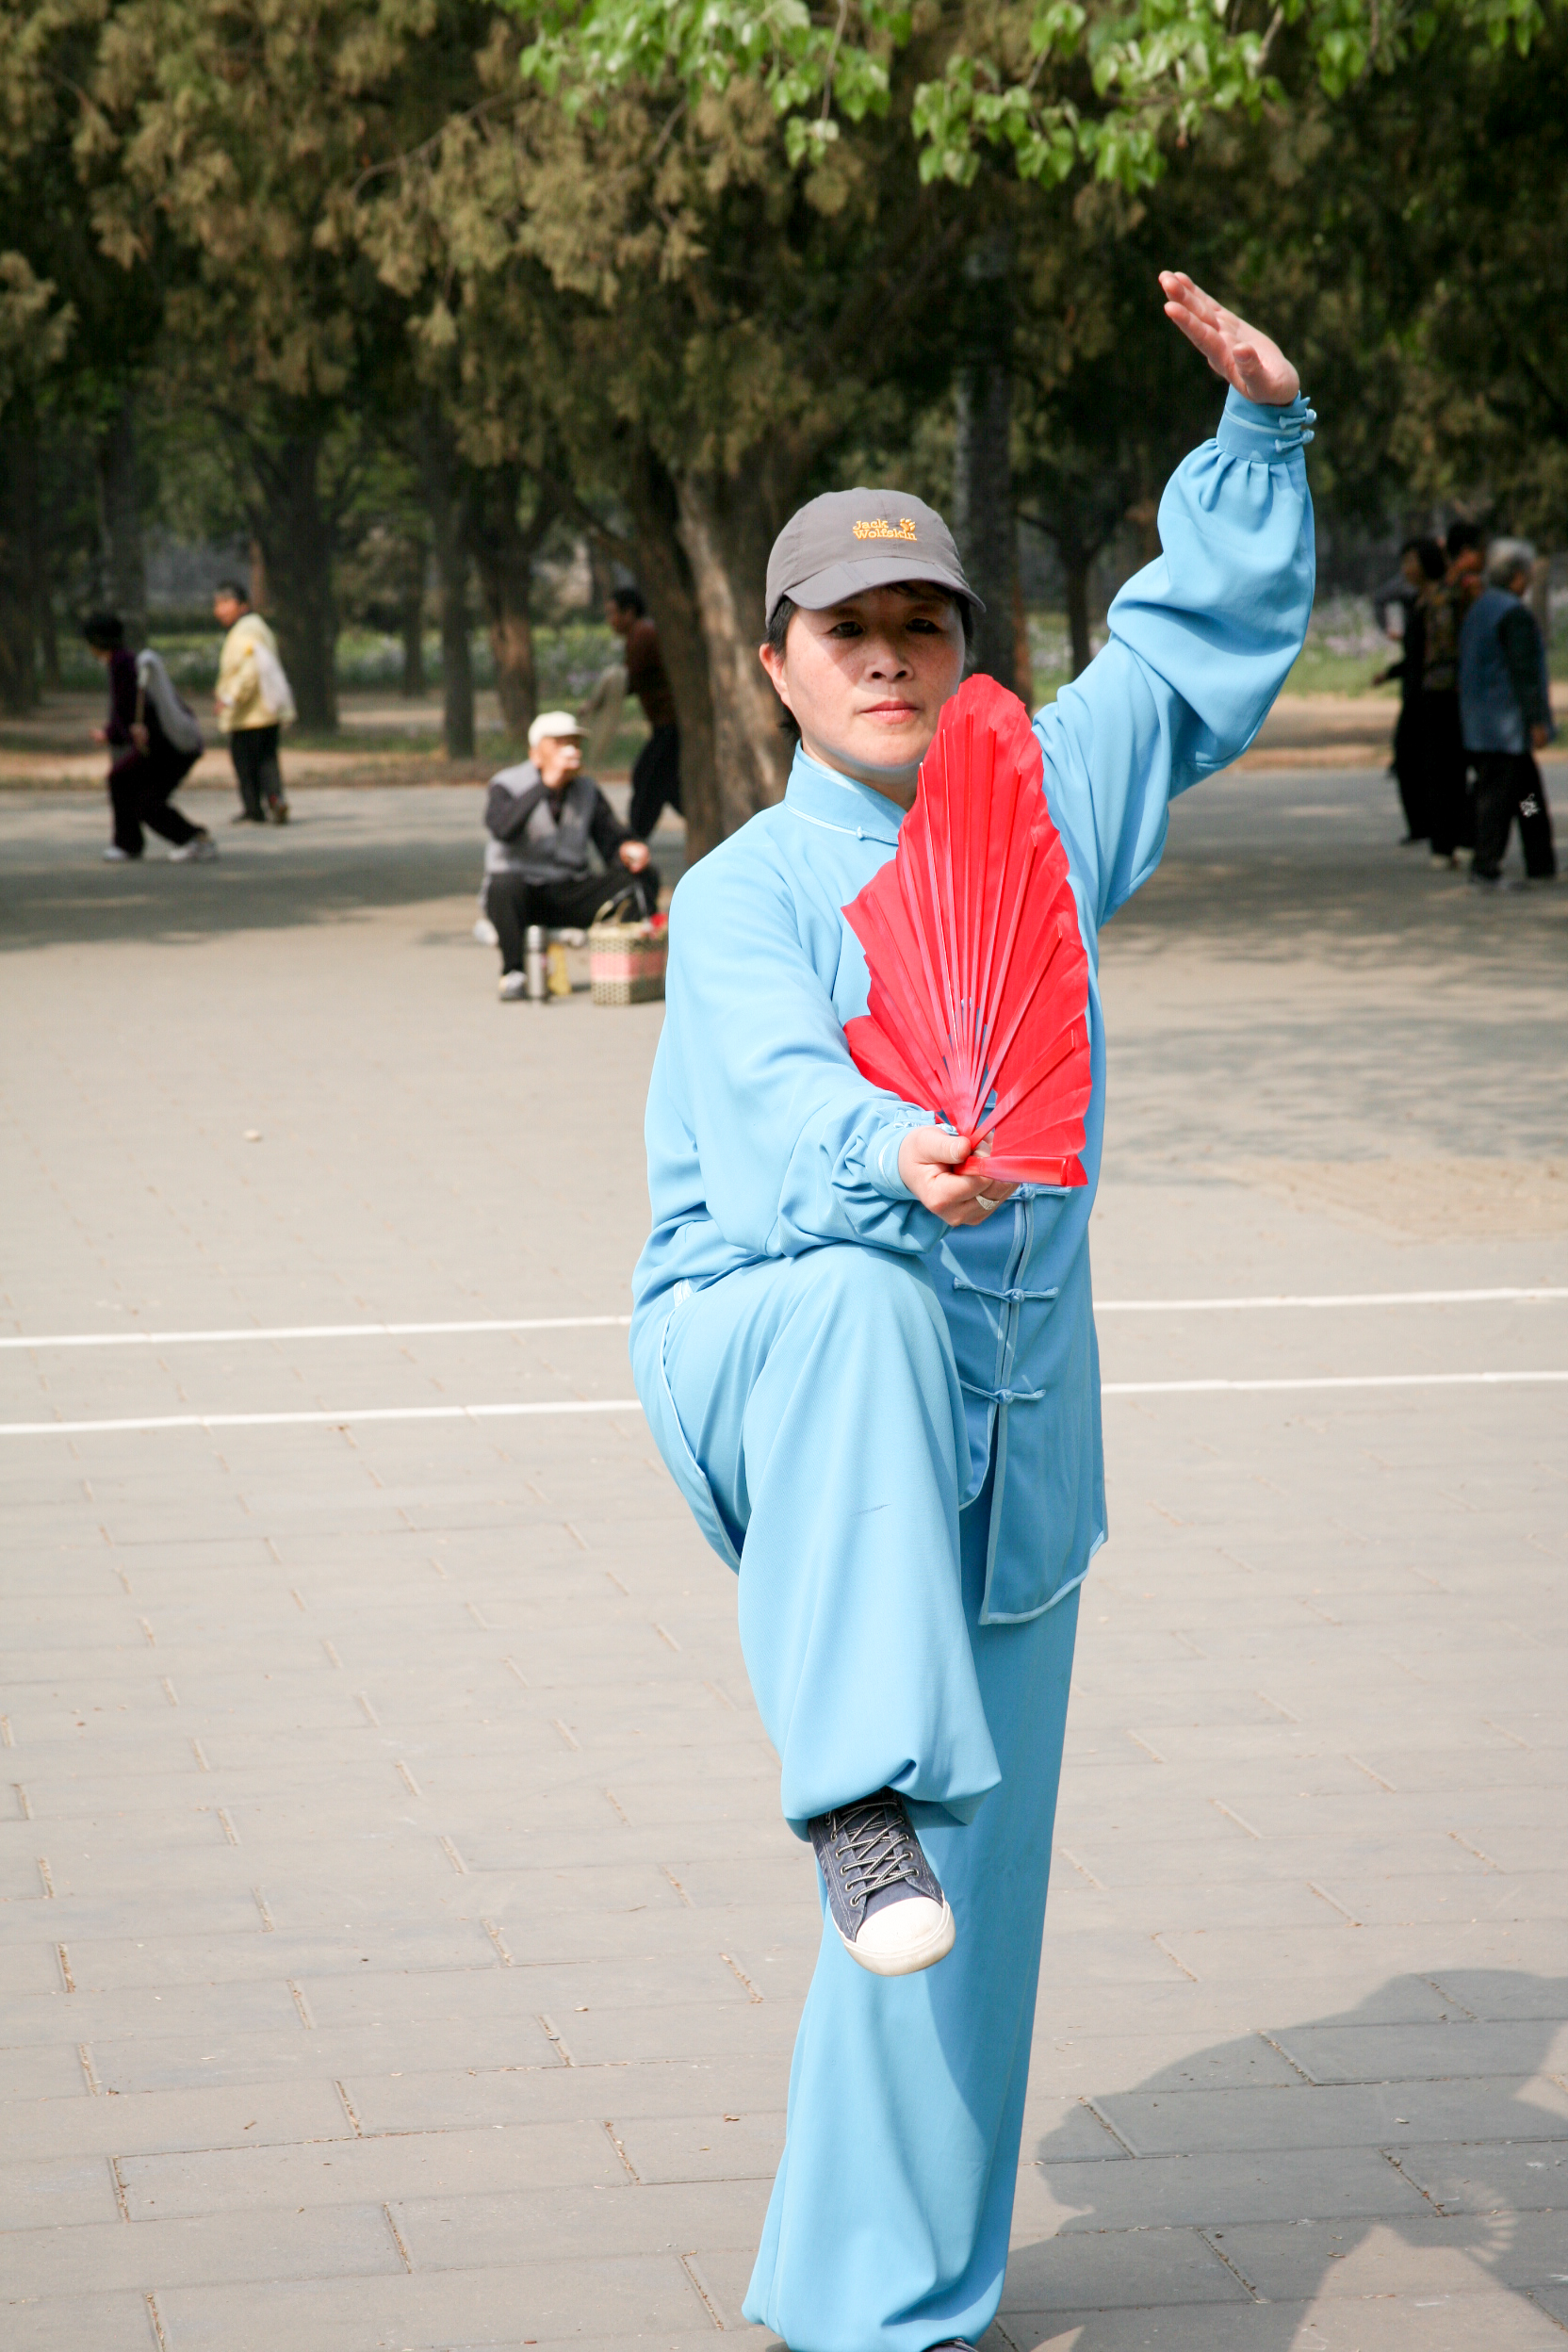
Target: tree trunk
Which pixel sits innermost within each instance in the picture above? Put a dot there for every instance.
(449, 501)
(664, 576)
(37, 564)
(411, 620)
(726, 529)
(296, 539)
(503, 557)
(1077, 562)
(984, 523)
(124, 571)
(18, 535)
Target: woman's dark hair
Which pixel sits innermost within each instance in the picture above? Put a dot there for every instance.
(105, 630)
(232, 588)
(630, 600)
(1462, 537)
(1428, 555)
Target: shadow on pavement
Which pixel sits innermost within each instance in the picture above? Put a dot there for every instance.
(344, 855)
(1393, 2151)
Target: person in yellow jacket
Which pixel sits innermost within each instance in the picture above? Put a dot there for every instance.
(253, 701)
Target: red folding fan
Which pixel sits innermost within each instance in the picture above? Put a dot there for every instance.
(979, 982)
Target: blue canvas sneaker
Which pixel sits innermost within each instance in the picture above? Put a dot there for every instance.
(891, 1914)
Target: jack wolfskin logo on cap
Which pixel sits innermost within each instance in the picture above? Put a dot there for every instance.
(881, 528)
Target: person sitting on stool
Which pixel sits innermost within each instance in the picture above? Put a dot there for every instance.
(542, 817)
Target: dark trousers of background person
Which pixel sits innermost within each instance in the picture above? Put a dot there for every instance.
(1507, 785)
(512, 904)
(1410, 770)
(1450, 813)
(138, 794)
(655, 781)
(255, 753)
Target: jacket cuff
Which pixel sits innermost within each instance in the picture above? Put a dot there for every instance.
(1249, 429)
(879, 1156)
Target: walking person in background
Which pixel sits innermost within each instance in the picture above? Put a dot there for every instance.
(1421, 562)
(1444, 603)
(1507, 707)
(155, 742)
(253, 701)
(542, 817)
(656, 775)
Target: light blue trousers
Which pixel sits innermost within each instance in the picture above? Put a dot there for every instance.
(813, 1405)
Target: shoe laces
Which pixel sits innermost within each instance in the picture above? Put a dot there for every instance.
(873, 1847)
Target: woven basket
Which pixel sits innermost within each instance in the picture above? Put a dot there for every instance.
(626, 963)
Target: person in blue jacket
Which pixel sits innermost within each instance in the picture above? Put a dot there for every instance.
(877, 1381)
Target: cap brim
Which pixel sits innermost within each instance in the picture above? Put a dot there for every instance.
(841, 581)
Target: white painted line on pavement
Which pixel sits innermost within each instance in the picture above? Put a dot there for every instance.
(1349, 1379)
(308, 1331)
(631, 1404)
(322, 1420)
(1338, 1298)
(601, 1322)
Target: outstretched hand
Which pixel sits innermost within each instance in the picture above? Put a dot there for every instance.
(1250, 363)
(926, 1160)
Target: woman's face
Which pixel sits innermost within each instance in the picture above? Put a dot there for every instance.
(1409, 564)
(865, 682)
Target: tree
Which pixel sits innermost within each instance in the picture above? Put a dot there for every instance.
(244, 133)
(769, 202)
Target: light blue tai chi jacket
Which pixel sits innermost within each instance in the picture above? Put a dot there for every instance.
(763, 1140)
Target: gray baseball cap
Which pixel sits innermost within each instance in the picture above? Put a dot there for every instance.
(849, 540)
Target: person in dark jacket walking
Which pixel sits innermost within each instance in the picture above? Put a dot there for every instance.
(1506, 709)
(542, 817)
(1422, 561)
(656, 774)
(154, 743)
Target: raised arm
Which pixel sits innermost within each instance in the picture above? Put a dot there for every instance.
(1202, 639)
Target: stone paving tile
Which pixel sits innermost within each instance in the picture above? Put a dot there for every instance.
(1215, 2191)
(1503, 2322)
(636, 2300)
(409, 2165)
(396, 1654)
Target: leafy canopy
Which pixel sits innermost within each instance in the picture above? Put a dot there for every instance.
(1053, 85)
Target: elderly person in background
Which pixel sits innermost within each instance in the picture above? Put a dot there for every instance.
(1422, 563)
(254, 700)
(1506, 705)
(542, 817)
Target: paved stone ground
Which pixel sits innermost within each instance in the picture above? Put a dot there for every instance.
(390, 1868)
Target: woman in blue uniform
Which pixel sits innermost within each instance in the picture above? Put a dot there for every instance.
(877, 1381)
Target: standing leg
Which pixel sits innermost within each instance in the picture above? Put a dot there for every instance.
(1535, 823)
(125, 803)
(655, 781)
(1409, 771)
(270, 775)
(1496, 796)
(889, 2219)
(242, 751)
(159, 814)
(1448, 806)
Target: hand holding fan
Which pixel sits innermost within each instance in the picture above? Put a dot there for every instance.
(979, 981)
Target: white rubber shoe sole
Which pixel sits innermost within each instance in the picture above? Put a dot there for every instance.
(903, 1937)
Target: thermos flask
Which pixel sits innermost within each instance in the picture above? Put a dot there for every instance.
(535, 963)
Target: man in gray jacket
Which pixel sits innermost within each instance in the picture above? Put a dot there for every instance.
(542, 817)
(1507, 710)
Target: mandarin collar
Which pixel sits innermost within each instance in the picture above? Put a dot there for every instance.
(824, 797)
